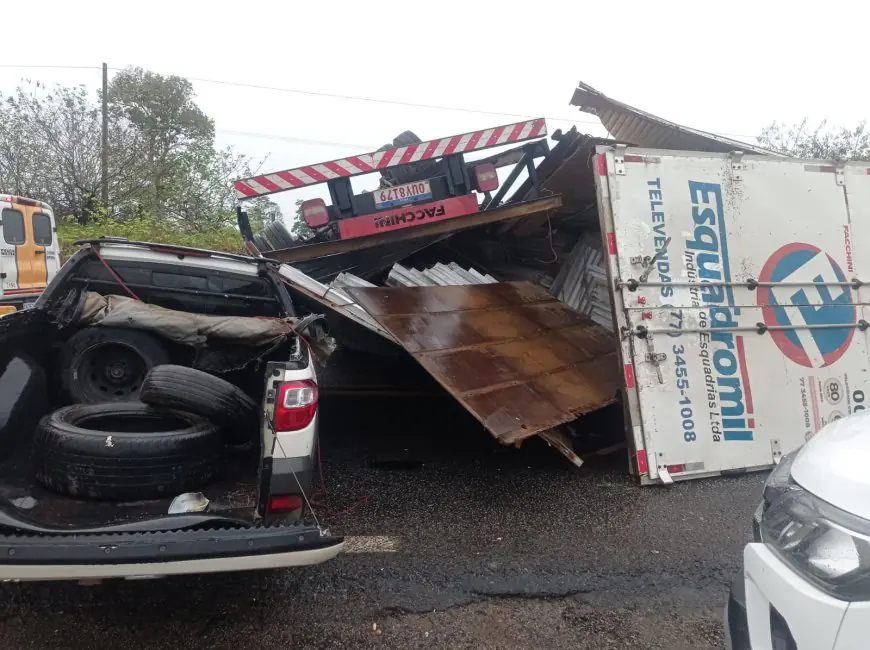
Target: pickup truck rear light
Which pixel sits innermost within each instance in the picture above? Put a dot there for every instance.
(314, 212)
(284, 502)
(296, 405)
(487, 177)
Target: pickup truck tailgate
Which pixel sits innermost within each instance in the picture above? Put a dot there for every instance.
(27, 556)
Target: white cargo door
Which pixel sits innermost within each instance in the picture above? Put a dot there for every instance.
(744, 327)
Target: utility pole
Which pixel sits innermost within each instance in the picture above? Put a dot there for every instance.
(104, 166)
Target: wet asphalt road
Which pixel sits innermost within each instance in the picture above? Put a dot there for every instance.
(464, 544)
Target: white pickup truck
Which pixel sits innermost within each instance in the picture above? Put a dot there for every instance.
(108, 487)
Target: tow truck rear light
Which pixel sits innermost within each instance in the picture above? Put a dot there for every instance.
(296, 405)
(487, 177)
(314, 212)
(284, 502)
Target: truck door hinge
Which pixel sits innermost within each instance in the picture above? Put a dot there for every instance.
(649, 263)
(619, 159)
(775, 451)
(736, 165)
(655, 358)
(839, 172)
(664, 475)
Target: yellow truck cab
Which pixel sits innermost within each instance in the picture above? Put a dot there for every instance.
(29, 251)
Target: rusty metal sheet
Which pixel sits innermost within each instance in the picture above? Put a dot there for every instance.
(520, 361)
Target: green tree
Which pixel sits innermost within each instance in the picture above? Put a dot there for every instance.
(299, 230)
(174, 136)
(50, 148)
(261, 212)
(165, 174)
(803, 140)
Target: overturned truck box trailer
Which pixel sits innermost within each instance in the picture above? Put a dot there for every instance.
(739, 301)
(733, 282)
(738, 304)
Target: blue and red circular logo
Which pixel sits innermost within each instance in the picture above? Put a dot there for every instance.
(806, 307)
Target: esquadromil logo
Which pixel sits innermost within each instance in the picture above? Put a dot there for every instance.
(807, 301)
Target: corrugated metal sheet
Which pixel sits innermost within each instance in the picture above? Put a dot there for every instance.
(582, 282)
(437, 275)
(334, 299)
(348, 280)
(517, 359)
(634, 126)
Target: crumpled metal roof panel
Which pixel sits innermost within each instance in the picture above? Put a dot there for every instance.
(438, 275)
(517, 359)
(637, 127)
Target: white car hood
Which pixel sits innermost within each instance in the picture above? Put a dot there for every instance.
(835, 464)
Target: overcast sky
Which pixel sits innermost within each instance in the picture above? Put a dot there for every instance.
(727, 67)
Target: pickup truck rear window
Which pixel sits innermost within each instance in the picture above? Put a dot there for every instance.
(187, 289)
(193, 280)
(13, 226)
(178, 281)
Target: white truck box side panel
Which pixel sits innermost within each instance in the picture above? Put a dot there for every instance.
(638, 447)
(717, 392)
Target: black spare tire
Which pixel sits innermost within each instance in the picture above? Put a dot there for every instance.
(108, 364)
(125, 451)
(186, 389)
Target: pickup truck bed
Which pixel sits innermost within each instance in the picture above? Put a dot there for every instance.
(233, 494)
(78, 497)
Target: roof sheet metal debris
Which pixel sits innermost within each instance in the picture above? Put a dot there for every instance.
(566, 171)
(637, 127)
(517, 359)
(437, 275)
(364, 263)
(335, 299)
(348, 280)
(560, 440)
(582, 282)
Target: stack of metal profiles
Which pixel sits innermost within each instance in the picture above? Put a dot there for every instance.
(582, 282)
(437, 275)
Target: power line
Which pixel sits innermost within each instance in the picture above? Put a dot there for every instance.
(358, 98)
(290, 138)
(56, 67)
(375, 100)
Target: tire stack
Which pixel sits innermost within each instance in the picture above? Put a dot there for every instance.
(169, 442)
(405, 173)
(275, 236)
